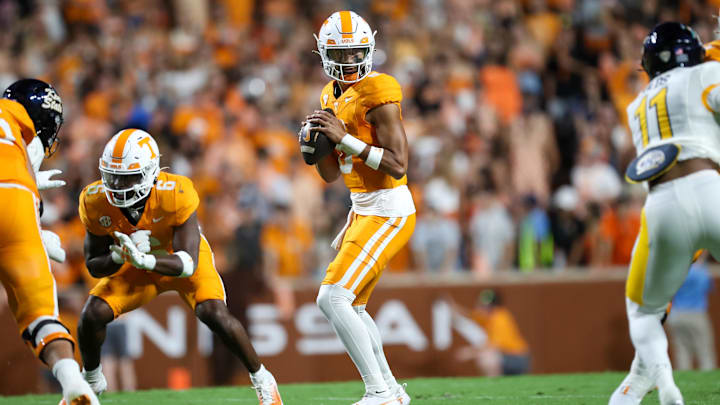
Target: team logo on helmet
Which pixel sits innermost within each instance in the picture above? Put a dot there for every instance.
(52, 101)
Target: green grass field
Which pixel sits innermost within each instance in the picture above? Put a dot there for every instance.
(576, 389)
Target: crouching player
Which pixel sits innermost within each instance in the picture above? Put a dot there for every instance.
(142, 239)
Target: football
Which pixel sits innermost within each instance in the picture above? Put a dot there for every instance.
(314, 145)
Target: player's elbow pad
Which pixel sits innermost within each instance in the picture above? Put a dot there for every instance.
(188, 264)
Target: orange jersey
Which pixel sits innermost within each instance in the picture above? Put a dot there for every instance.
(16, 131)
(712, 51)
(374, 90)
(502, 330)
(171, 202)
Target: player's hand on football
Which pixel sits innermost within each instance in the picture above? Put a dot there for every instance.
(132, 254)
(44, 181)
(328, 124)
(54, 249)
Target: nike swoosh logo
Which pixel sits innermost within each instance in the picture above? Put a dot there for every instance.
(392, 401)
(348, 99)
(156, 220)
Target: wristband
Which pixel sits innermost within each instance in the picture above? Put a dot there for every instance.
(353, 145)
(188, 264)
(374, 157)
(149, 262)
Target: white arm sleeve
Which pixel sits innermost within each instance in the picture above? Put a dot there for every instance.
(36, 153)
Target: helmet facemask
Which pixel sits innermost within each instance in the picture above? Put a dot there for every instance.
(49, 136)
(126, 188)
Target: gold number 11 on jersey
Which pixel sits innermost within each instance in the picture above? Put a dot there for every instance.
(659, 101)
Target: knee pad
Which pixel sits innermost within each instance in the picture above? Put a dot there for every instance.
(44, 330)
(331, 296)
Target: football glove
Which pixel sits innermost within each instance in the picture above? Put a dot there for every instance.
(44, 182)
(116, 254)
(141, 239)
(132, 254)
(51, 241)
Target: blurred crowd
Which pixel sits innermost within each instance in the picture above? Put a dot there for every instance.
(514, 112)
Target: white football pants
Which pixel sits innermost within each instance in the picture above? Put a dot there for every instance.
(679, 217)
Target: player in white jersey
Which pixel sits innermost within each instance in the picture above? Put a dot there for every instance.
(678, 143)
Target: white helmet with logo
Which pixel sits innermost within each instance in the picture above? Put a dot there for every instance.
(346, 45)
(129, 166)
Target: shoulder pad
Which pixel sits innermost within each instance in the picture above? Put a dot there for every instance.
(378, 89)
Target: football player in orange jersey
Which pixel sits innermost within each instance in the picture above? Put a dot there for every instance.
(30, 117)
(143, 238)
(712, 51)
(712, 48)
(372, 156)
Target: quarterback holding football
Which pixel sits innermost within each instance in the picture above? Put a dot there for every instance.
(360, 116)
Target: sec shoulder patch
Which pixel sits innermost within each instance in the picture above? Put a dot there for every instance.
(105, 221)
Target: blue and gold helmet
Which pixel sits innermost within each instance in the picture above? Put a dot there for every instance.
(670, 45)
(44, 107)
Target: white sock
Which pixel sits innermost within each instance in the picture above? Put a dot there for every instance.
(92, 375)
(651, 345)
(259, 375)
(336, 303)
(67, 372)
(377, 346)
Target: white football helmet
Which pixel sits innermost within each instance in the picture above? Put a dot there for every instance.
(346, 45)
(129, 166)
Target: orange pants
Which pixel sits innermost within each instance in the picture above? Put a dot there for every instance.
(132, 288)
(24, 263)
(367, 247)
